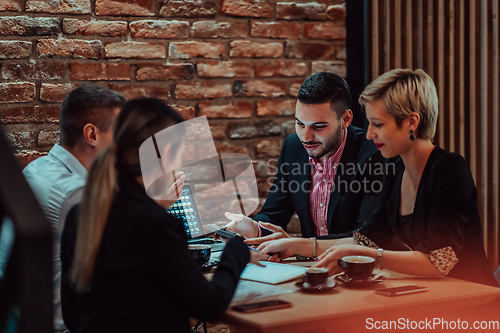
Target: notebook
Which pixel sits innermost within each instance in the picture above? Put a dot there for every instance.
(272, 273)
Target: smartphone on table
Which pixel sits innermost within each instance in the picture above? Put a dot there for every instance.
(262, 306)
(402, 290)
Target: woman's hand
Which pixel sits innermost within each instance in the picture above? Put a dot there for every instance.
(330, 257)
(174, 191)
(256, 256)
(278, 249)
(278, 233)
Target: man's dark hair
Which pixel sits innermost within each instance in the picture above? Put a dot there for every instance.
(325, 87)
(87, 104)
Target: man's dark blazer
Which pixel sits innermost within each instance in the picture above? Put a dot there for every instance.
(361, 166)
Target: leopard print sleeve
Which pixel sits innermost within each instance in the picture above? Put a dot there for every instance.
(444, 259)
(361, 239)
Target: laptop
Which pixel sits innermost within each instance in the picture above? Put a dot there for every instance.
(185, 209)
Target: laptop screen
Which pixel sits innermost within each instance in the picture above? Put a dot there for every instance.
(185, 209)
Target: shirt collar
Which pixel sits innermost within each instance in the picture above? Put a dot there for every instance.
(68, 160)
(333, 160)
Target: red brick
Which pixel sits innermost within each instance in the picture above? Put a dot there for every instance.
(294, 88)
(28, 26)
(17, 92)
(247, 8)
(218, 131)
(259, 88)
(10, 5)
(159, 29)
(137, 50)
(214, 68)
(248, 49)
(48, 138)
(268, 147)
(156, 72)
(55, 93)
(90, 28)
(59, 7)
(301, 11)
(99, 71)
(274, 68)
(340, 47)
(187, 50)
(213, 29)
(202, 90)
(198, 132)
(25, 157)
(288, 127)
(69, 48)
(263, 186)
(125, 7)
(139, 91)
(337, 67)
(305, 50)
(186, 112)
(34, 71)
(253, 129)
(36, 114)
(12, 49)
(21, 140)
(189, 8)
(288, 30)
(336, 12)
(327, 31)
(228, 110)
(265, 168)
(225, 148)
(275, 108)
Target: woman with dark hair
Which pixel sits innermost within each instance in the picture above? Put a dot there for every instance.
(132, 271)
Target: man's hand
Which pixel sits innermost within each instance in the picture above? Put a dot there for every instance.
(241, 224)
(278, 233)
(174, 191)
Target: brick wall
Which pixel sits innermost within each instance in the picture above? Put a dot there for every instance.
(239, 62)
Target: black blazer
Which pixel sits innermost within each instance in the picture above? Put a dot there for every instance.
(445, 214)
(360, 164)
(144, 278)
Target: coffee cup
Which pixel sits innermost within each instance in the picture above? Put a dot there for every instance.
(200, 253)
(315, 276)
(357, 267)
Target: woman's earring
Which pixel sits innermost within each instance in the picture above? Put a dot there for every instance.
(412, 136)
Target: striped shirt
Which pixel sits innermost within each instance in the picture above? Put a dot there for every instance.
(322, 178)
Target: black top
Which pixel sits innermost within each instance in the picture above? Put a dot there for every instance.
(445, 214)
(144, 278)
(354, 196)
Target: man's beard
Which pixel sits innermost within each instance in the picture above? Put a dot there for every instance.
(331, 145)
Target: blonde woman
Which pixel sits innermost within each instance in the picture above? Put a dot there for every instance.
(428, 222)
(132, 271)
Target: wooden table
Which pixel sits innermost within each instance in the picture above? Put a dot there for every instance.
(355, 310)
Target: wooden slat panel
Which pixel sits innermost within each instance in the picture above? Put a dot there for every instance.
(458, 43)
(495, 131)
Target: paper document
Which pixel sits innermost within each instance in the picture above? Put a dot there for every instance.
(273, 273)
(249, 290)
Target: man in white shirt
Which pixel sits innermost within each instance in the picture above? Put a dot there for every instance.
(85, 119)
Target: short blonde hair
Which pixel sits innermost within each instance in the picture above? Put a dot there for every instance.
(405, 91)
